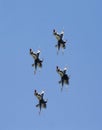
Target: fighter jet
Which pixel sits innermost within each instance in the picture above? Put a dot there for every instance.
(37, 60)
(42, 103)
(61, 43)
(63, 75)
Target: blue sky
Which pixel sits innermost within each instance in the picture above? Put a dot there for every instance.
(26, 24)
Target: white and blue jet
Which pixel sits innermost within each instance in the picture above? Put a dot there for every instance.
(61, 43)
(42, 103)
(37, 60)
(64, 77)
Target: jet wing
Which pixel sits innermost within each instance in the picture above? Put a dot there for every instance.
(60, 73)
(38, 96)
(58, 37)
(34, 55)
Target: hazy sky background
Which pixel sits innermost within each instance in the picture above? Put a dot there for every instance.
(26, 24)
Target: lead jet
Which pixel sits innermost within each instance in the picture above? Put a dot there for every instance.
(63, 75)
(61, 43)
(37, 60)
(42, 103)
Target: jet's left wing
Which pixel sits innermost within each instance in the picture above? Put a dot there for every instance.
(58, 36)
(34, 55)
(59, 71)
(38, 96)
